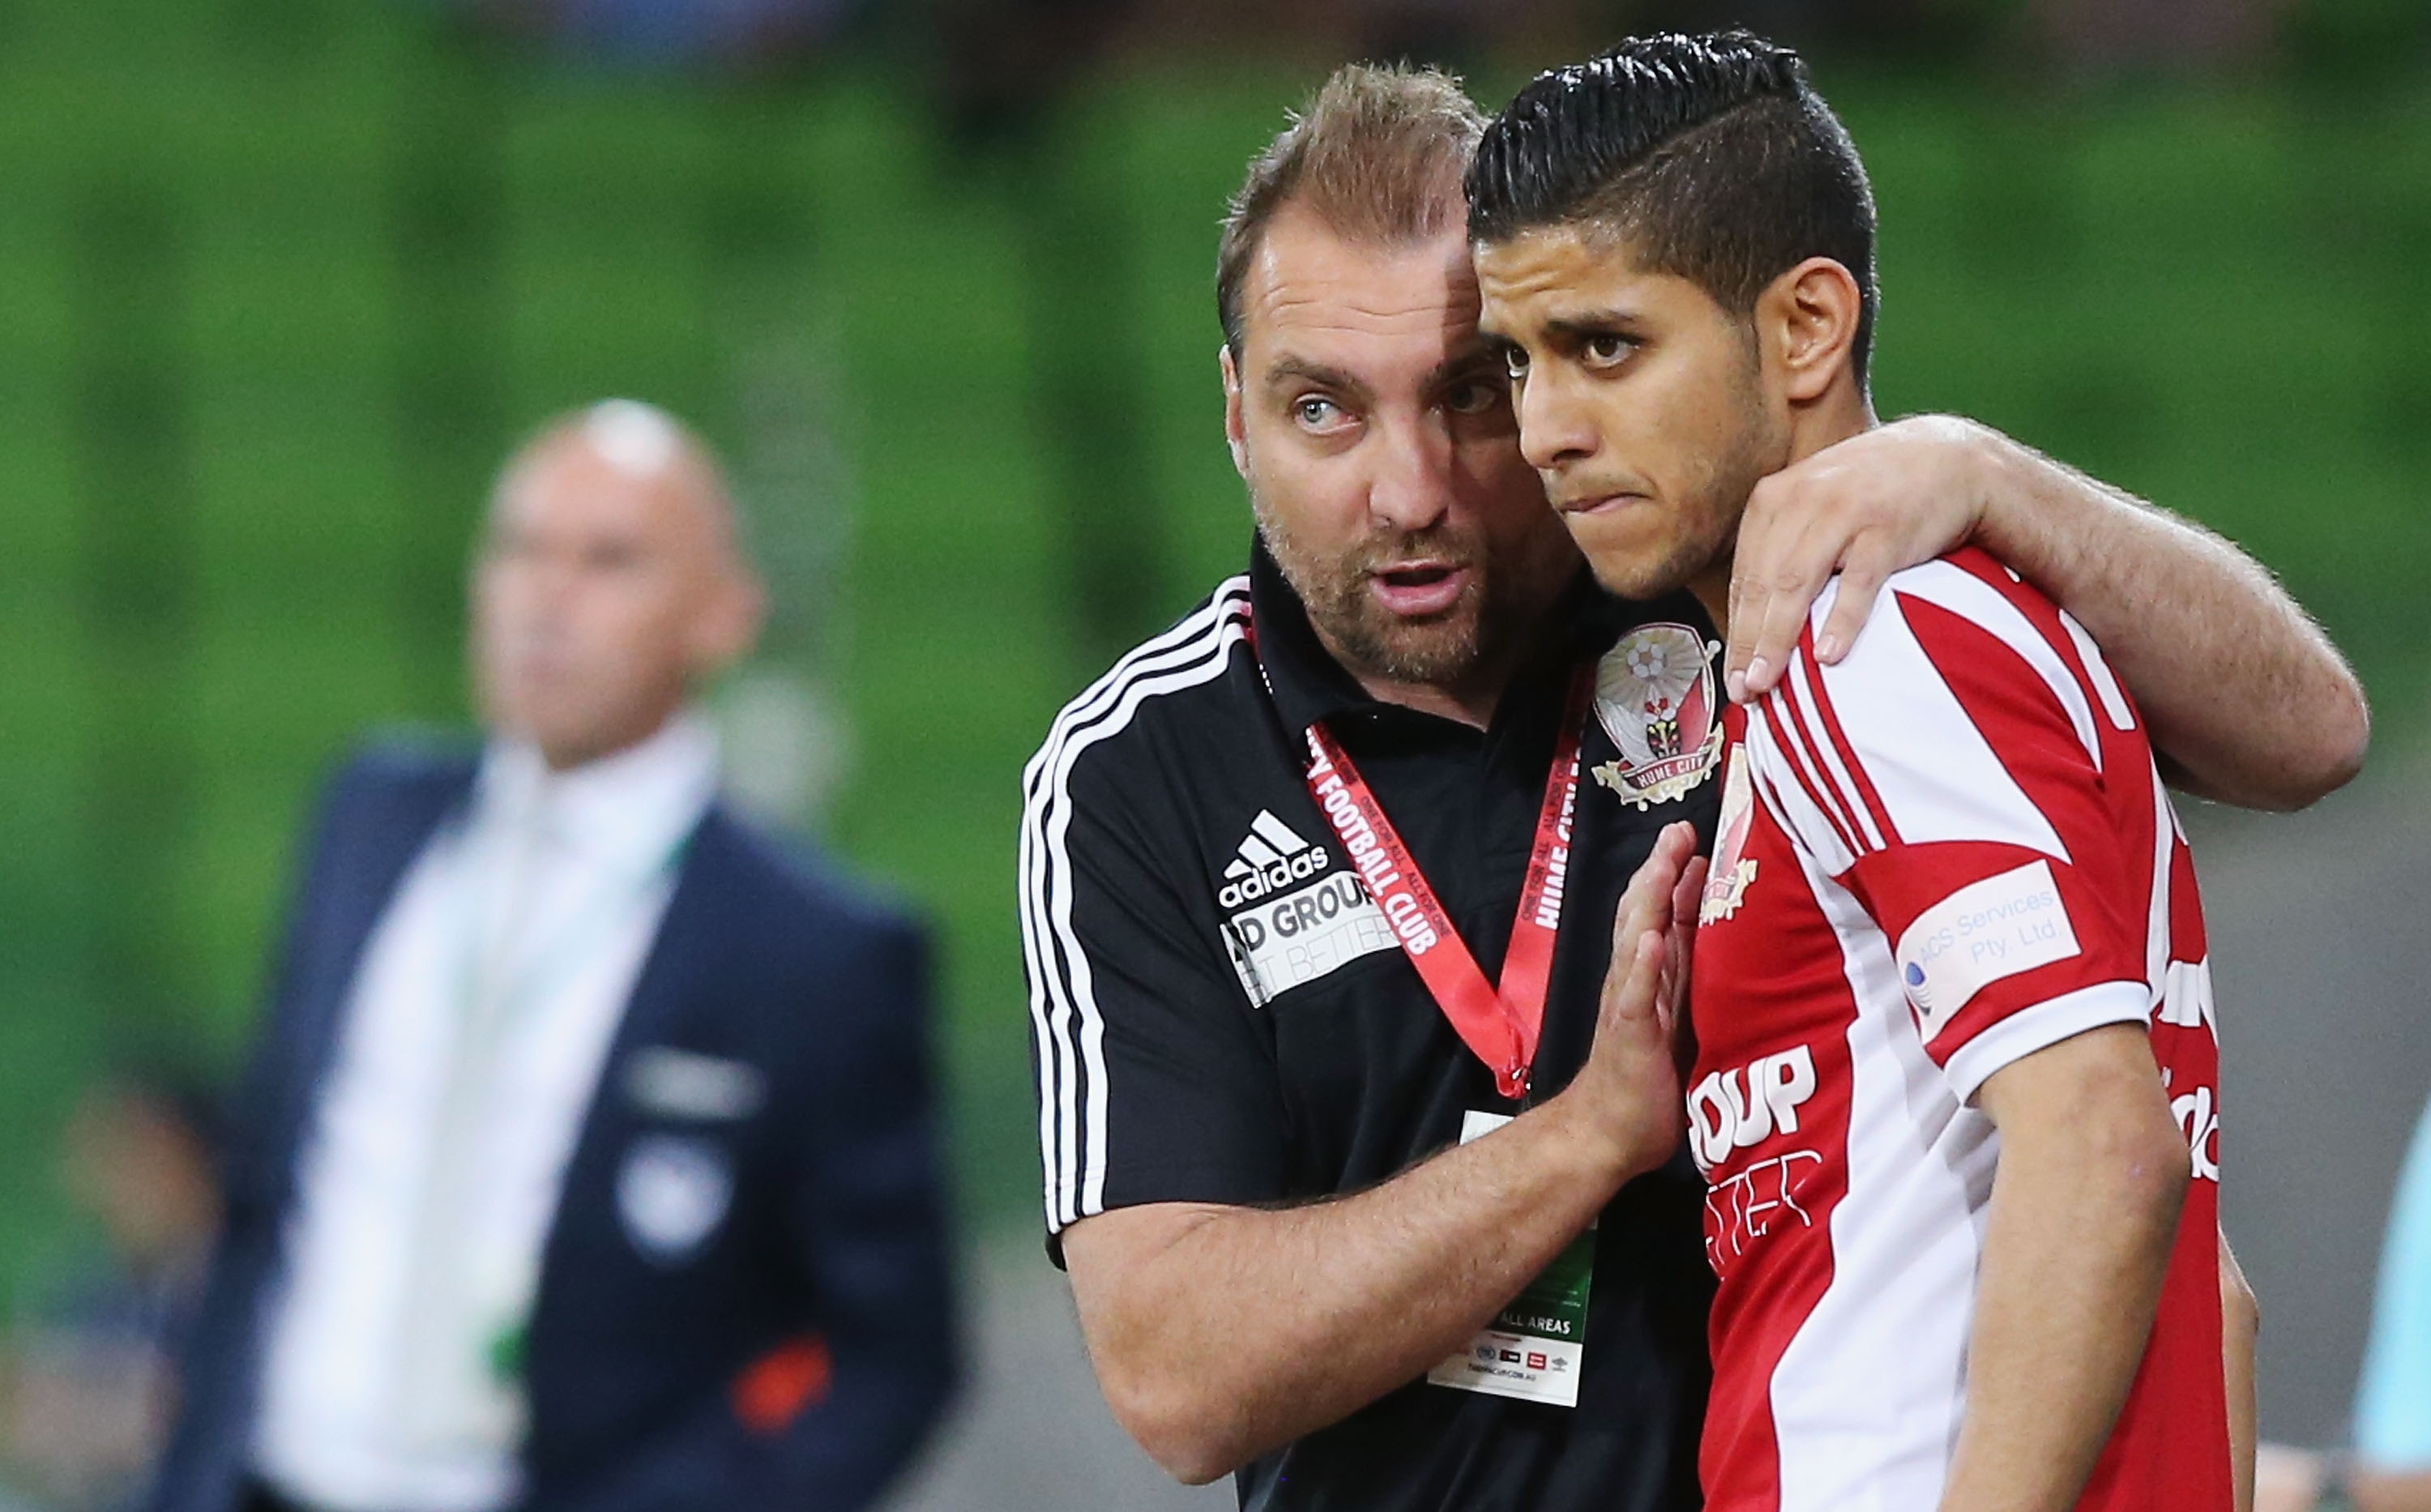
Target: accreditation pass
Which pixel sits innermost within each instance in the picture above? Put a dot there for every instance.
(1534, 1348)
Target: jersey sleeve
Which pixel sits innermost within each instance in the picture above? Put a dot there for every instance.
(1972, 778)
(1155, 1083)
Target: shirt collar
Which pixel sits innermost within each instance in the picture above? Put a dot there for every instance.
(631, 808)
(1309, 685)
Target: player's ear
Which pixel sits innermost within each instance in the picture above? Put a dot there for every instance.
(1233, 436)
(1811, 314)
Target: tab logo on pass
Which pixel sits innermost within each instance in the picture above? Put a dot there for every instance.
(1536, 1347)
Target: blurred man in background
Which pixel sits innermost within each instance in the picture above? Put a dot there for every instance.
(89, 1378)
(587, 1159)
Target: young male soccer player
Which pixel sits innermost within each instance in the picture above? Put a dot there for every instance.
(1954, 1086)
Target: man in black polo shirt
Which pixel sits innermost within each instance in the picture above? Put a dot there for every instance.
(1359, 1197)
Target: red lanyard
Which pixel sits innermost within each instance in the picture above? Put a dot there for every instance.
(1501, 1024)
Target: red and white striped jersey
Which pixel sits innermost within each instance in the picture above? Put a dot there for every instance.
(1944, 854)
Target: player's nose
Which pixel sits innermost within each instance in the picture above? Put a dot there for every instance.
(1556, 427)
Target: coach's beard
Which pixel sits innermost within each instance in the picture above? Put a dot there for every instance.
(1483, 629)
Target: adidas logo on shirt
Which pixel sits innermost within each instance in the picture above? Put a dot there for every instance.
(1273, 855)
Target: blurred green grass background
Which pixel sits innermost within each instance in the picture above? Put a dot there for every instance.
(249, 393)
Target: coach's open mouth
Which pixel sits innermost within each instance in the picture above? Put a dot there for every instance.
(1414, 590)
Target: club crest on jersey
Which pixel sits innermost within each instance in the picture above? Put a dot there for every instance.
(1654, 696)
(1733, 869)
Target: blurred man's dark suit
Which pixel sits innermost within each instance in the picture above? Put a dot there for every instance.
(798, 1356)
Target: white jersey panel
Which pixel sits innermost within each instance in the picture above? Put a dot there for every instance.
(1937, 776)
(1905, 1242)
(1972, 599)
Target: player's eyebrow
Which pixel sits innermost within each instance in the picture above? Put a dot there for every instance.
(1571, 327)
(1595, 323)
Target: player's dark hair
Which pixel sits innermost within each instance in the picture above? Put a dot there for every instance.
(1376, 155)
(1711, 157)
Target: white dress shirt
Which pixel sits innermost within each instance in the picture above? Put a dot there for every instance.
(474, 1035)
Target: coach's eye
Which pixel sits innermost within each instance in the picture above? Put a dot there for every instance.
(1515, 362)
(1475, 396)
(1317, 413)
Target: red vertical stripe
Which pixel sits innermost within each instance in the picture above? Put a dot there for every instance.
(1865, 785)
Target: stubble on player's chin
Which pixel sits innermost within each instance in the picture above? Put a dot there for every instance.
(1755, 447)
(1642, 580)
(1642, 576)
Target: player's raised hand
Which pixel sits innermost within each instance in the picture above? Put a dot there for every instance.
(1882, 501)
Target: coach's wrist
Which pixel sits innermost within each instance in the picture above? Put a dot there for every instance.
(1606, 1136)
(2026, 512)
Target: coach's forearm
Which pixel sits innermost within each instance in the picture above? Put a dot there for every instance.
(1221, 1333)
(2244, 694)
(2083, 1214)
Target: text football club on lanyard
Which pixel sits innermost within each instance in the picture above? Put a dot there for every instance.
(1533, 1349)
(1501, 1023)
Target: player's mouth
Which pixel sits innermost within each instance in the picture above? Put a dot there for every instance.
(1598, 503)
(1419, 590)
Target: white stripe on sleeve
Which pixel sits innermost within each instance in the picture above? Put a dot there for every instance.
(1063, 1012)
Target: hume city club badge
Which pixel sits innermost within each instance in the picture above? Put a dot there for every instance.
(1655, 695)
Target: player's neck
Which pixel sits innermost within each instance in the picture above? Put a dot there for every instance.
(1844, 412)
(1713, 590)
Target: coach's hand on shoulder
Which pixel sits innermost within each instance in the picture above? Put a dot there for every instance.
(1882, 501)
(1627, 1096)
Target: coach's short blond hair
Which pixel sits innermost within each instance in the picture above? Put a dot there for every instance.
(1377, 155)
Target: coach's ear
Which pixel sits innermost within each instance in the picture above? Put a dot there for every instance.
(1809, 316)
(1233, 437)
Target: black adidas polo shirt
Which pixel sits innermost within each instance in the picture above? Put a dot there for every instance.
(1220, 1014)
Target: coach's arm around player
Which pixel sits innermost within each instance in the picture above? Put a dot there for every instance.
(2246, 699)
(1220, 1333)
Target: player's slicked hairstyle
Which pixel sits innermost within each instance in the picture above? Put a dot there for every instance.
(1377, 155)
(1712, 158)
